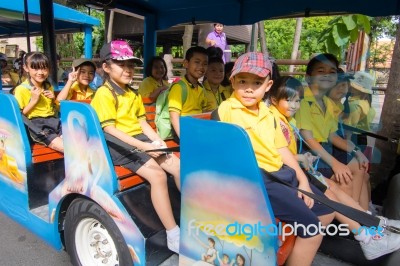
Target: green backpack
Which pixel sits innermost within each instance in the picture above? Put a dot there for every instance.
(162, 119)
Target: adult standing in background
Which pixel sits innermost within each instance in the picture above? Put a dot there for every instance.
(217, 38)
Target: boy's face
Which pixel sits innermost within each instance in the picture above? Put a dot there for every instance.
(249, 89)
(196, 67)
(85, 75)
(323, 75)
(215, 73)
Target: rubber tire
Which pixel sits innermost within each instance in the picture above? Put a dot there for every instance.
(81, 209)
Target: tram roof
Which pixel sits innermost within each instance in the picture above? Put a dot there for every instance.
(12, 21)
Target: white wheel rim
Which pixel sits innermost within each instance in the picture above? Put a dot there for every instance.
(94, 245)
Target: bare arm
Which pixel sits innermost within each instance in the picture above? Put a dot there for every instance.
(71, 79)
(112, 130)
(153, 96)
(149, 131)
(290, 160)
(175, 122)
(341, 171)
(35, 95)
(348, 146)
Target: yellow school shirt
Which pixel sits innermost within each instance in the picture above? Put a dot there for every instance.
(310, 116)
(215, 99)
(195, 102)
(361, 113)
(75, 93)
(286, 128)
(149, 85)
(265, 134)
(126, 116)
(43, 108)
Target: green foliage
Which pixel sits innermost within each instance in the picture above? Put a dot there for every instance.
(280, 37)
(342, 31)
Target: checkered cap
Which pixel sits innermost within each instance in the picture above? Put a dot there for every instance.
(253, 62)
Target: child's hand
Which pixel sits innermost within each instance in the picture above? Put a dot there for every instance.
(362, 160)
(73, 76)
(154, 154)
(342, 172)
(35, 94)
(49, 94)
(307, 200)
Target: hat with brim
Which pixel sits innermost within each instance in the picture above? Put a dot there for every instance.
(362, 82)
(78, 62)
(253, 62)
(118, 50)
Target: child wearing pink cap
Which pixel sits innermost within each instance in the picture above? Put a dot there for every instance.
(121, 114)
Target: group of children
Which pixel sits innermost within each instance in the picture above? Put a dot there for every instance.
(292, 113)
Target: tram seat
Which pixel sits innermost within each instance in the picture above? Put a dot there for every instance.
(41, 153)
(286, 246)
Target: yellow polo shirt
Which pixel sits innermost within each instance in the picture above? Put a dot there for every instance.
(43, 108)
(148, 85)
(287, 129)
(264, 133)
(215, 99)
(195, 102)
(126, 116)
(361, 113)
(75, 93)
(311, 117)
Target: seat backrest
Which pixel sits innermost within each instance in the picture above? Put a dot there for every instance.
(87, 159)
(223, 194)
(14, 142)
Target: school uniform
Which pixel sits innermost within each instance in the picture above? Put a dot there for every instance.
(124, 109)
(215, 99)
(148, 85)
(266, 137)
(195, 101)
(46, 126)
(311, 117)
(75, 93)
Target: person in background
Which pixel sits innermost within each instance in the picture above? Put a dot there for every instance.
(36, 99)
(5, 77)
(215, 92)
(62, 75)
(217, 38)
(98, 76)
(361, 113)
(156, 80)
(196, 63)
(18, 74)
(78, 84)
(227, 82)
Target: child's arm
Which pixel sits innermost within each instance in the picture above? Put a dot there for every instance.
(348, 146)
(35, 95)
(342, 171)
(112, 130)
(65, 91)
(289, 160)
(153, 96)
(149, 131)
(175, 122)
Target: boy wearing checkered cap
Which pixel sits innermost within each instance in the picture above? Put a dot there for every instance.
(251, 79)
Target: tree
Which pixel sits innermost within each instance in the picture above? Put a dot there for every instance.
(390, 118)
(342, 31)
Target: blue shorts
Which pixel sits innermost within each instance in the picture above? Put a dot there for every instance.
(287, 206)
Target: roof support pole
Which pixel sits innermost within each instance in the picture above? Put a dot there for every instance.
(150, 38)
(49, 37)
(88, 41)
(28, 33)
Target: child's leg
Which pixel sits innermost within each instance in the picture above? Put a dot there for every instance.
(304, 251)
(360, 180)
(342, 196)
(157, 178)
(57, 144)
(171, 164)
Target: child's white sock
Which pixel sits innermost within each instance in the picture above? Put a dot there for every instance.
(174, 233)
(363, 236)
